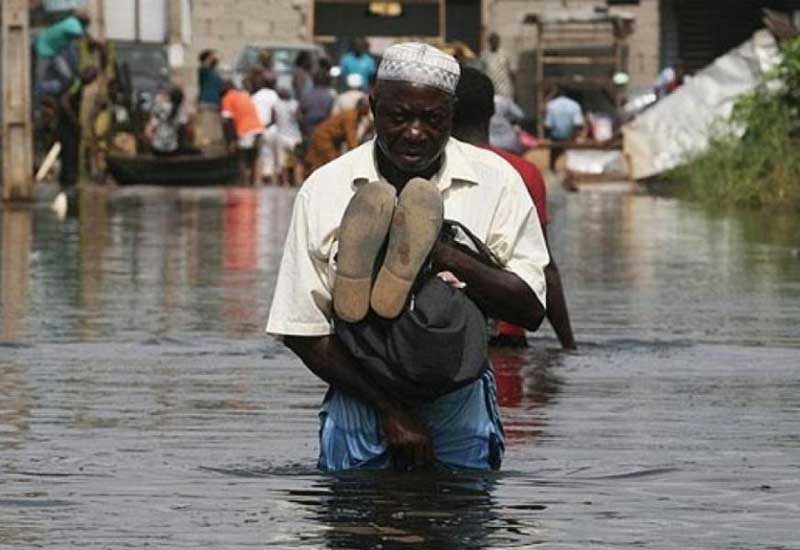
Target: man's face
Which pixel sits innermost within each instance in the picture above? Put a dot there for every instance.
(494, 42)
(412, 124)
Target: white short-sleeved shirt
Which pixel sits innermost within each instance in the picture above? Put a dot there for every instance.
(265, 99)
(479, 188)
(562, 116)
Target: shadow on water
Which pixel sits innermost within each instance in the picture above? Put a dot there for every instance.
(385, 510)
(368, 510)
(17, 237)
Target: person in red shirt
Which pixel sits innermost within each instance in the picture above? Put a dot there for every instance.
(474, 109)
(242, 120)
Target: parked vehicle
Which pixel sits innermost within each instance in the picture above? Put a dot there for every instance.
(283, 55)
(144, 70)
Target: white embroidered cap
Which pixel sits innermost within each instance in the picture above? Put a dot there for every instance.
(420, 64)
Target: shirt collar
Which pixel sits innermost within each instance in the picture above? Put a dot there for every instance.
(456, 169)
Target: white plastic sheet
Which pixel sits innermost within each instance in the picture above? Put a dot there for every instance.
(681, 124)
(595, 162)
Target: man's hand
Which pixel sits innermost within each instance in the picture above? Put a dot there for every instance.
(498, 293)
(441, 256)
(408, 438)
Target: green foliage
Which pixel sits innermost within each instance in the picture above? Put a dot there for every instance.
(762, 167)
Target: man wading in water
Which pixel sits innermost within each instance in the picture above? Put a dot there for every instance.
(363, 424)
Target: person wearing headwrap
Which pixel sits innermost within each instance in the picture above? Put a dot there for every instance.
(364, 425)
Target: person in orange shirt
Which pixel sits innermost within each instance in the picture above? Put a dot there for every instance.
(244, 126)
(343, 128)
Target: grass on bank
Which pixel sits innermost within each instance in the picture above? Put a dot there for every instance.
(762, 167)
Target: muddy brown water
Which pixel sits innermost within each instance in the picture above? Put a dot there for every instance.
(142, 406)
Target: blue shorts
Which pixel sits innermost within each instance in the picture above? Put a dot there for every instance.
(466, 427)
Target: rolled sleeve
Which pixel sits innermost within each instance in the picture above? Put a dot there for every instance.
(516, 237)
(301, 303)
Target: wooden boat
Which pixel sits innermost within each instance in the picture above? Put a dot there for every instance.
(201, 169)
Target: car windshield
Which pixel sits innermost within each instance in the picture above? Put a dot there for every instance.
(145, 62)
(282, 58)
(148, 67)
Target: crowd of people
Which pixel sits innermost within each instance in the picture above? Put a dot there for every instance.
(280, 133)
(73, 79)
(283, 132)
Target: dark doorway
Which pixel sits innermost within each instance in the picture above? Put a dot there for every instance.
(709, 28)
(353, 18)
(463, 22)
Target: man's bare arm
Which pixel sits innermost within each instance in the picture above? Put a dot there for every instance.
(333, 363)
(499, 294)
(557, 312)
(326, 357)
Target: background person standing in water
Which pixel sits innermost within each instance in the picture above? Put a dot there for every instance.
(471, 122)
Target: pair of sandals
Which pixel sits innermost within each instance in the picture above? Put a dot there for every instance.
(412, 221)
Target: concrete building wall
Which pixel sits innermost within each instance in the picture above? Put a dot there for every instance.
(644, 58)
(505, 18)
(228, 25)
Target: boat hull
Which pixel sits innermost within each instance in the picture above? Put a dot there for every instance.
(178, 170)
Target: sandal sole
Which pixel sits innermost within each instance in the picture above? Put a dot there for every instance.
(362, 233)
(415, 228)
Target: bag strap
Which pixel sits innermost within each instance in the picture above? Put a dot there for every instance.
(482, 252)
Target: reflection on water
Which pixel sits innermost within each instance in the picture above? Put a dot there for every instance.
(368, 510)
(141, 404)
(15, 257)
(526, 382)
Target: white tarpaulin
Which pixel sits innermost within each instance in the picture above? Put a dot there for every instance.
(595, 162)
(680, 125)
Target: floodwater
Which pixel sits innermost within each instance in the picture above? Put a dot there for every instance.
(142, 406)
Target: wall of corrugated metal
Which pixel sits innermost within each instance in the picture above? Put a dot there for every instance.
(709, 28)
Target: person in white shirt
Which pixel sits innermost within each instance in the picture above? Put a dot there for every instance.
(499, 67)
(265, 99)
(363, 425)
(563, 117)
(287, 137)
